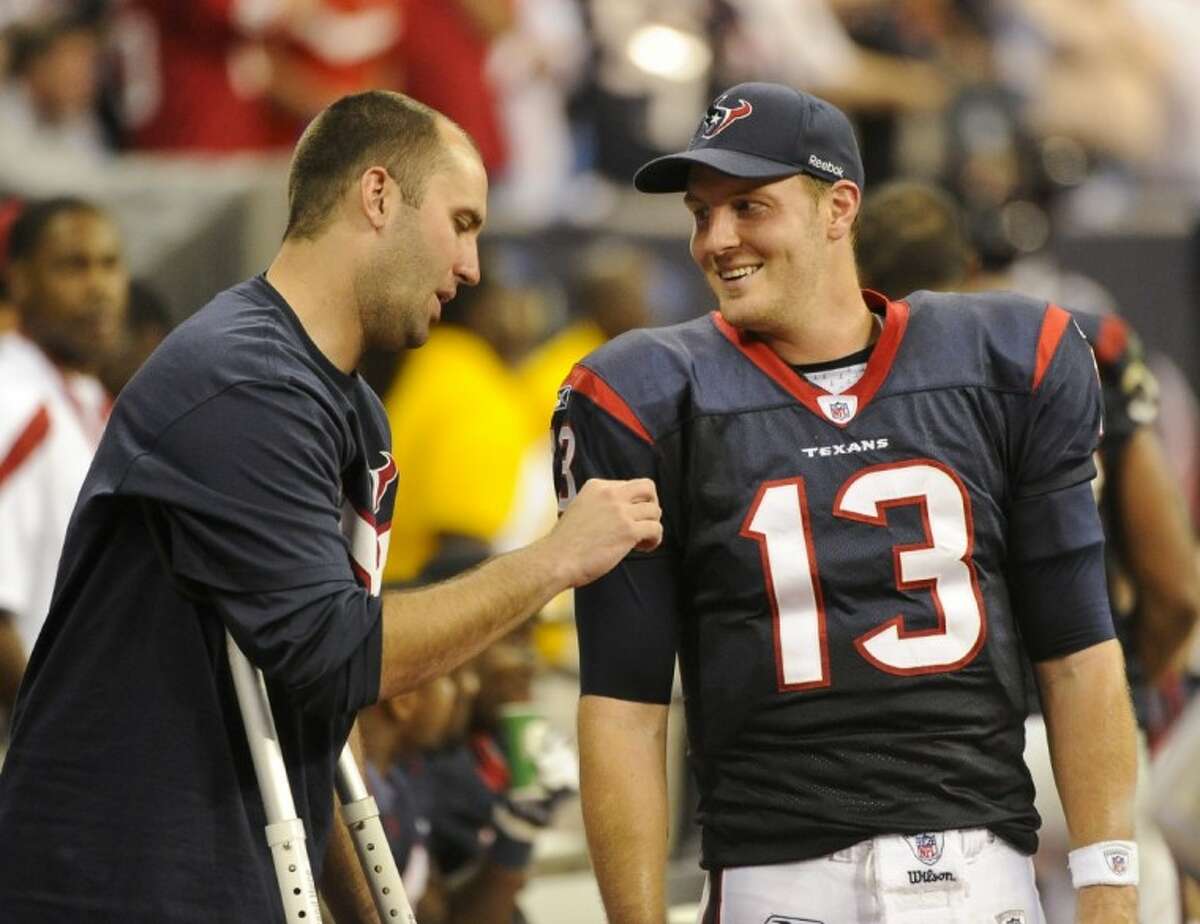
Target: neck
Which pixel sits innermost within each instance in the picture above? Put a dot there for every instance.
(830, 321)
(316, 279)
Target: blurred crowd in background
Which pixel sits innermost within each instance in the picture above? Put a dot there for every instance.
(1044, 120)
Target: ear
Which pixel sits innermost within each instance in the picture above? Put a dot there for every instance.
(375, 196)
(844, 200)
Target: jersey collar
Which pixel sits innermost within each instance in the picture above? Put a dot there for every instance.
(838, 410)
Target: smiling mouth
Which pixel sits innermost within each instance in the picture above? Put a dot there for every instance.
(739, 272)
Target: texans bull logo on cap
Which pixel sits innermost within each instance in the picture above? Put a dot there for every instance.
(719, 117)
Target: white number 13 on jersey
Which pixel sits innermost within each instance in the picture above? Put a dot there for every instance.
(779, 521)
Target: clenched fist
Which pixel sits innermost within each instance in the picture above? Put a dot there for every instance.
(600, 526)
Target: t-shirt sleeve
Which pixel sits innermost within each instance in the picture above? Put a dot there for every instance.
(627, 620)
(245, 500)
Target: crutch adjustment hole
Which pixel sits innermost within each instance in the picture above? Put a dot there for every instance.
(296, 891)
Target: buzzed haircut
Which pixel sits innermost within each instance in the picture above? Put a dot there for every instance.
(27, 230)
(911, 236)
(376, 128)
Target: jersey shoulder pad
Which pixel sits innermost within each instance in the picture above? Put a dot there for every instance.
(642, 377)
(1008, 338)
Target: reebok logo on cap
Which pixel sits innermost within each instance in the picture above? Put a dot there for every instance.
(827, 166)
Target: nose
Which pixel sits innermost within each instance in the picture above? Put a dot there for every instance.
(719, 233)
(466, 267)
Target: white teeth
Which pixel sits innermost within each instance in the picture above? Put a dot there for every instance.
(739, 273)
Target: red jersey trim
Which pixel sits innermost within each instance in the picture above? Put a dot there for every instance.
(1054, 323)
(878, 366)
(31, 437)
(586, 382)
(1111, 340)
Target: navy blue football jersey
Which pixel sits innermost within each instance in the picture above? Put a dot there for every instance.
(243, 483)
(848, 580)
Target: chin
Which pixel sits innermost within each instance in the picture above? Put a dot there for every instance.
(740, 313)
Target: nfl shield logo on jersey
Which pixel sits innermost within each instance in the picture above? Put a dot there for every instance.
(838, 408)
(1011, 917)
(927, 847)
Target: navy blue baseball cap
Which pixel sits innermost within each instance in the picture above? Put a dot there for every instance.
(762, 131)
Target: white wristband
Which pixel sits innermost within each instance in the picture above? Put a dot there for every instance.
(1104, 863)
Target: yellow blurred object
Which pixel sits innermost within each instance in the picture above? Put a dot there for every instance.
(541, 374)
(554, 640)
(460, 431)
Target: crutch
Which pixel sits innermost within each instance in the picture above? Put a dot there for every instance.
(285, 831)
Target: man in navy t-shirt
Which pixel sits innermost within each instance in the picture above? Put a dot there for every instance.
(244, 484)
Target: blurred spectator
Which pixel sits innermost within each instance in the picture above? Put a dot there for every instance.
(534, 66)
(48, 105)
(147, 321)
(463, 841)
(608, 289)
(1154, 582)
(68, 280)
(9, 210)
(444, 52)
(485, 825)
(1177, 25)
(808, 45)
(198, 77)
(340, 47)
(396, 734)
(1068, 61)
(460, 433)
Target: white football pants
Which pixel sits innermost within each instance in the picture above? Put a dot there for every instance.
(951, 877)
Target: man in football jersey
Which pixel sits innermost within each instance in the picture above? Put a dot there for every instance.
(70, 287)
(912, 236)
(870, 510)
(244, 485)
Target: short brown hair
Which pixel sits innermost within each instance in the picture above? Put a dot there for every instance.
(911, 236)
(375, 128)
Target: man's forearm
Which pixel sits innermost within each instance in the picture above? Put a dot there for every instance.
(1093, 750)
(622, 750)
(429, 632)
(1161, 553)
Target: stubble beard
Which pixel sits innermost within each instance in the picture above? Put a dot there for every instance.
(390, 308)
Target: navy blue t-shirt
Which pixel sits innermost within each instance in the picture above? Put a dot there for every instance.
(850, 581)
(243, 483)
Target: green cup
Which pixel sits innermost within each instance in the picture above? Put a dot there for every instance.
(522, 728)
